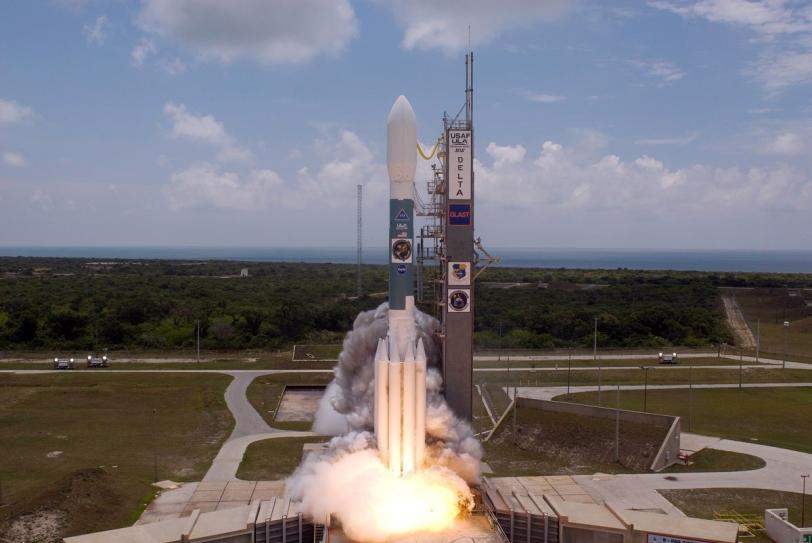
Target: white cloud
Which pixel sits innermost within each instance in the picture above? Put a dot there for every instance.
(173, 66)
(788, 143)
(563, 178)
(144, 47)
(444, 25)
(343, 161)
(203, 128)
(283, 31)
(666, 72)
(763, 16)
(506, 154)
(12, 112)
(783, 28)
(543, 98)
(14, 159)
(96, 33)
(674, 140)
(207, 186)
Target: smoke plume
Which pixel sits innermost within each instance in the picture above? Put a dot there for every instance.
(350, 481)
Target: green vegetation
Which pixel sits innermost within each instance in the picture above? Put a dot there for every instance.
(770, 416)
(69, 436)
(703, 503)
(716, 460)
(265, 392)
(79, 305)
(273, 459)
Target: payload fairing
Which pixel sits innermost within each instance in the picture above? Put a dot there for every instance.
(400, 359)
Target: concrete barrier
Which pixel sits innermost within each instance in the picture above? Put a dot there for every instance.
(781, 530)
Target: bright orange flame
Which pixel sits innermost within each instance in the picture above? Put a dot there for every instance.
(420, 502)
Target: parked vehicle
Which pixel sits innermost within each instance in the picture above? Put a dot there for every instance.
(668, 358)
(96, 361)
(63, 363)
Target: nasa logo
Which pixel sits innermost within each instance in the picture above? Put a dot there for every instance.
(459, 214)
(401, 269)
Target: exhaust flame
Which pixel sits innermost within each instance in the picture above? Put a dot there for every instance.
(350, 482)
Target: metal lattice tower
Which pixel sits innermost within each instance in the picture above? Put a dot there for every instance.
(359, 237)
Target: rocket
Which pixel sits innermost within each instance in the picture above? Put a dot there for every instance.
(400, 358)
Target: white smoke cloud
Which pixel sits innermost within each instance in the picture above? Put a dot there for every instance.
(351, 482)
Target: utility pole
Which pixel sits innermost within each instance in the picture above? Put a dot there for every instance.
(198, 341)
(154, 447)
(786, 342)
(515, 405)
(595, 342)
(690, 398)
(599, 385)
(803, 500)
(645, 388)
(758, 339)
(359, 239)
(617, 425)
(740, 369)
(569, 372)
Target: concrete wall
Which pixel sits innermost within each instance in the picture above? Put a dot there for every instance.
(781, 530)
(669, 449)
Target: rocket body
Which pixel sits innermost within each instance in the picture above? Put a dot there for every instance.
(400, 360)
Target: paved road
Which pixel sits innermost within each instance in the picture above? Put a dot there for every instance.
(635, 491)
(548, 393)
(228, 459)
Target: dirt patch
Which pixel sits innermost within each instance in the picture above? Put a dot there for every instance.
(80, 503)
(560, 443)
(738, 324)
(299, 404)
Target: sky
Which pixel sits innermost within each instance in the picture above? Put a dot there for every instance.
(663, 124)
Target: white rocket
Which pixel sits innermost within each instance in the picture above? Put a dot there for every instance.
(400, 359)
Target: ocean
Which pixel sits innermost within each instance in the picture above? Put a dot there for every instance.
(639, 259)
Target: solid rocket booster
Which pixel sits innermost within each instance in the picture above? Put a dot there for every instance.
(400, 359)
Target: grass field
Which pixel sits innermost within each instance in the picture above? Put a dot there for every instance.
(265, 392)
(98, 435)
(716, 460)
(772, 307)
(778, 416)
(703, 503)
(551, 443)
(244, 361)
(273, 459)
(653, 362)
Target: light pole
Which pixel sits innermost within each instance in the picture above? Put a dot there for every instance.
(740, 369)
(595, 341)
(154, 448)
(198, 340)
(690, 399)
(803, 500)
(617, 425)
(645, 389)
(569, 372)
(786, 338)
(758, 339)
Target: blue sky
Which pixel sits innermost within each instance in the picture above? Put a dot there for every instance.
(662, 124)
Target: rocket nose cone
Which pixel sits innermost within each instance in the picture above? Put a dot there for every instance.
(401, 112)
(401, 141)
